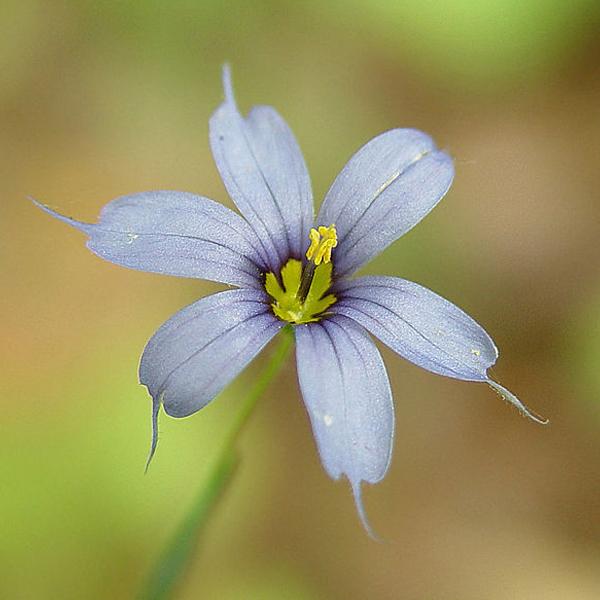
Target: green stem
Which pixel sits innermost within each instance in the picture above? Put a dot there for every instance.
(277, 359)
(173, 562)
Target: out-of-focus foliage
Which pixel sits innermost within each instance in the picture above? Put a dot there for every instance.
(492, 42)
(583, 350)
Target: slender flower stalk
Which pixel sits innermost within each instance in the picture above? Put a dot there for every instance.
(292, 270)
(175, 559)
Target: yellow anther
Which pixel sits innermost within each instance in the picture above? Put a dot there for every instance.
(322, 242)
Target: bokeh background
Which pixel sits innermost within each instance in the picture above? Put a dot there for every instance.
(99, 99)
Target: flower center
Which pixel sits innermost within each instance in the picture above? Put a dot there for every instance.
(303, 296)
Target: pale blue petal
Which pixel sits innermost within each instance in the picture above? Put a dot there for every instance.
(423, 328)
(384, 190)
(347, 395)
(418, 324)
(174, 233)
(264, 172)
(199, 350)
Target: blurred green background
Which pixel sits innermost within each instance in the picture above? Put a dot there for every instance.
(99, 99)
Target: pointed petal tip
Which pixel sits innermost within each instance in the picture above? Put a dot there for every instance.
(357, 492)
(154, 443)
(36, 202)
(512, 399)
(228, 84)
(46, 208)
(84, 227)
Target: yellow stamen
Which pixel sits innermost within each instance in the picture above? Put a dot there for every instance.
(322, 242)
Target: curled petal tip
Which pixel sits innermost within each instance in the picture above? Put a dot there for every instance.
(155, 411)
(357, 492)
(510, 397)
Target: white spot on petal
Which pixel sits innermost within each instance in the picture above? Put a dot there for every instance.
(328, 420)
(131, 237)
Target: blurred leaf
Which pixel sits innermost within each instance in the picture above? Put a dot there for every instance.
(489, 41)
(172, 563)
(583, 350)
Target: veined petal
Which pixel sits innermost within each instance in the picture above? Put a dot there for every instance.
(264, 172)
(418, 324)
(174, 233)
(199, 350)
(347, 395)
(194, 354)
(384, 190)
(423, 328)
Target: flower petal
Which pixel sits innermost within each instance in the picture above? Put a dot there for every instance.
(264, 172)
(423, 328)
(347, 394)
(384, 190)
(174, 233)
(199, 350)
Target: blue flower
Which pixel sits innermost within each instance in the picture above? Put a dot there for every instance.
(288, 268)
